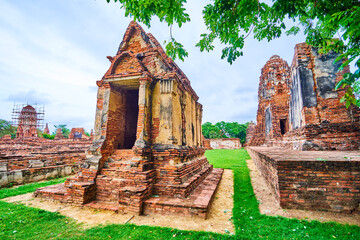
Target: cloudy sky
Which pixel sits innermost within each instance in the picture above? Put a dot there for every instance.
(53, 52)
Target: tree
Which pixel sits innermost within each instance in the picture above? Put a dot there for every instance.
(225, 130)
(7, 128)
(232, 21)
(65, 131)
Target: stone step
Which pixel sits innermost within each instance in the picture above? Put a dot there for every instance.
(54, 192)
(184, 189)
(196, 204)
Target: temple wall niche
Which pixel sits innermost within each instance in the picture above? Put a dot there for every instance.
(295, 102)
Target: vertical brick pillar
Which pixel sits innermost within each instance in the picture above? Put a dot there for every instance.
(142, 131)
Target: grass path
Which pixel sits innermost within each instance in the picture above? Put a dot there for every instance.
(249, 223)
(21, 222)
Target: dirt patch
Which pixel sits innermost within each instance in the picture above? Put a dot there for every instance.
(268, 204)
(219, 218)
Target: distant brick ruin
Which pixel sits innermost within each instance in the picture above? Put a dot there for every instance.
(298, 107)
(46, 129)
(59, 134)
(147, 154)
(78, 133)
(300, 110)
(222, 143)
(27, 120)
(249, 132)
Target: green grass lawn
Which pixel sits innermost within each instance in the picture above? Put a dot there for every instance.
(21, 222)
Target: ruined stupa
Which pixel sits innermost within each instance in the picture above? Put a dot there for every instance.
(147, 154)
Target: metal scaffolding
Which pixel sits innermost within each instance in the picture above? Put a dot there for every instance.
(28, 116)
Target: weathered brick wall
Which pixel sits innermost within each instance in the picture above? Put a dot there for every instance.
(267, 167)
(32, 160)
(315, 108)
(328, 181)
(206, 143)
(224, 143)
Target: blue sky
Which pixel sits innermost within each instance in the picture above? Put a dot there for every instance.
(53, 52)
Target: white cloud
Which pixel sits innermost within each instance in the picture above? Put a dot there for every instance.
(56, 50)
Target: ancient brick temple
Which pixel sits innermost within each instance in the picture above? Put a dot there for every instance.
(298, 107)
(147, 154)
(28, 121)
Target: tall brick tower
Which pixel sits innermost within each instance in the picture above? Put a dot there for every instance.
(147, 138)
(273, 108)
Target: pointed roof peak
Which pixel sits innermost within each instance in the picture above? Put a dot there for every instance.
(129, 32)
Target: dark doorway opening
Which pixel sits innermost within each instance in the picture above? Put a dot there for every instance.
(283, 126)
(131, 118)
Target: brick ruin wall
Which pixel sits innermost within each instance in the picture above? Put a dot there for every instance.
(222, 143)
(324, 180)
(318, 121)
(36, 159)
(314, 119)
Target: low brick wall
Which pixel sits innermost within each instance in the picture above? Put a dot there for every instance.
(222, 143)
(316, 180)
(36, 159)
(35, 174)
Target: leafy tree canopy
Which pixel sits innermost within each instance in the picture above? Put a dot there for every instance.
(225, 130)
(232, 21)
(7, 128)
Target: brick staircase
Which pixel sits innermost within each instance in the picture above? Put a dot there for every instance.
(124, 182)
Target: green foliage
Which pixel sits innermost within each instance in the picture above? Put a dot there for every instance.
(232, 21)
(48, 136)
(175, 49)
(351, 81)
(7, 128)
(65, 131)
(225, 130)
